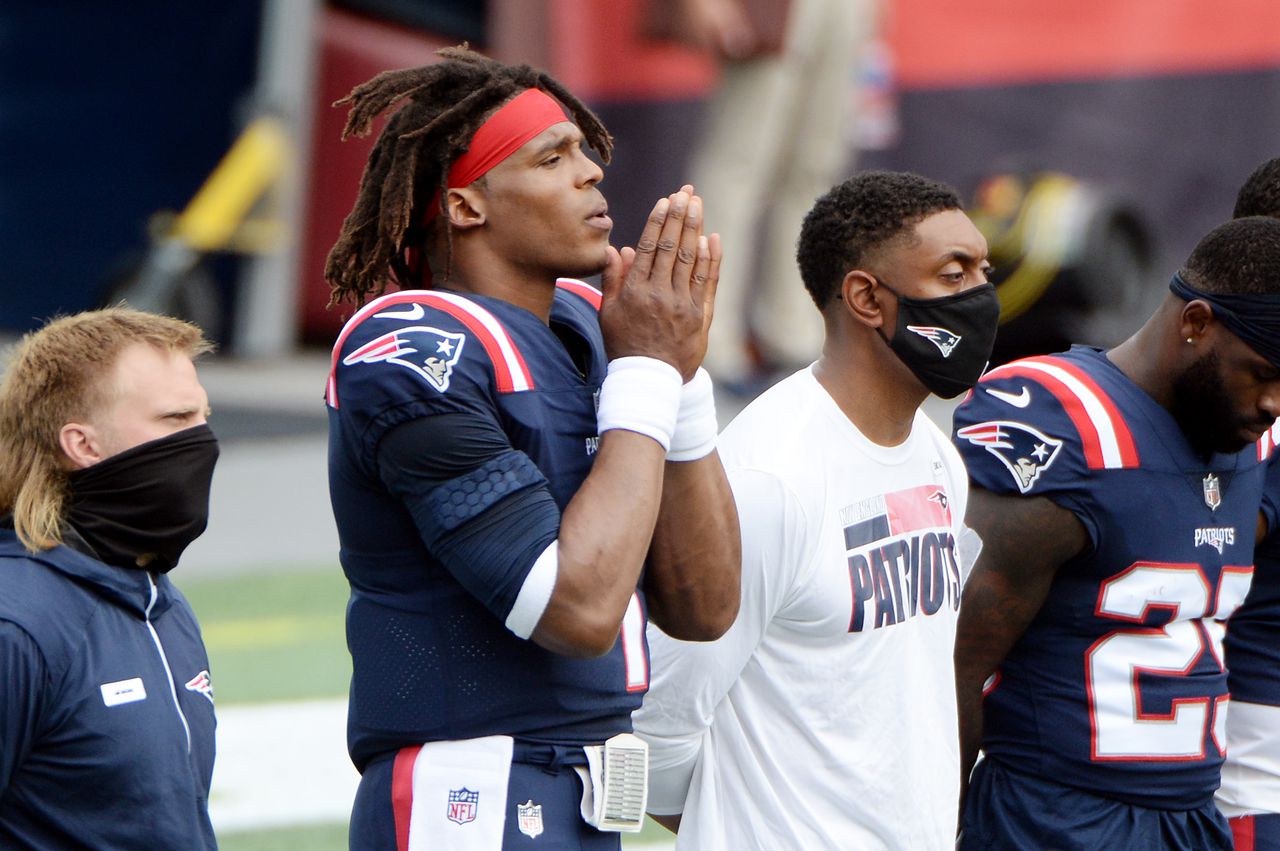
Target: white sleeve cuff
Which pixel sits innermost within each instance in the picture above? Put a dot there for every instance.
(640, 394)
(535, 593)
(696, 424)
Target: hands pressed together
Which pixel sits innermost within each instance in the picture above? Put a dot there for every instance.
(659, 296)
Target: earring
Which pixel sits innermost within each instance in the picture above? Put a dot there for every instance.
(1189, 340)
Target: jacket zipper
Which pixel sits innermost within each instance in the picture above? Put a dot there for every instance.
(155, 637)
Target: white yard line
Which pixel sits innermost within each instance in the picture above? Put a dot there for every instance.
(282, 764)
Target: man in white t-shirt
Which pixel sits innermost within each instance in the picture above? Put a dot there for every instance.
(825, 718)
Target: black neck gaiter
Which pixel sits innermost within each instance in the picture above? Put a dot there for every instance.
(142, 507)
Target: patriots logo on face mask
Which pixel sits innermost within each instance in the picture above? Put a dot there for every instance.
(945, 340)
(1024, 451)
(429, 352)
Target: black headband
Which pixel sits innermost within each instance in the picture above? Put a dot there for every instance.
(1255, 319)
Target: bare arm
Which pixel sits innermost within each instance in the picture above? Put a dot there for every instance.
(671, 823)
(1008, 586)
(692, 583)
(653, 307)
(720, 26)
(604, 534)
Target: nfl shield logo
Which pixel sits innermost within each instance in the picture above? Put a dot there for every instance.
(1212, 493)
(462, 805)
(530, 816)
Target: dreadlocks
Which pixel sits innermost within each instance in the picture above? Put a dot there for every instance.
(447, 103)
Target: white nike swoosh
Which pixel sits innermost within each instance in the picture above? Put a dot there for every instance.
(414, 313)
(1018, 400)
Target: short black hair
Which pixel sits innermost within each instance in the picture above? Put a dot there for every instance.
(1241, 257)
(1260, 194)
(858, 216)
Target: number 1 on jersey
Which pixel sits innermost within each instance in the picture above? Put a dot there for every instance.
(633, 648)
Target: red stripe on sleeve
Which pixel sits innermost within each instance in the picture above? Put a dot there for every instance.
(501, 371)
(1124, 437)
(578, 288)
(1089, 439)
(501, 368)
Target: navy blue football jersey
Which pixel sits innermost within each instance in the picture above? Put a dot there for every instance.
(1118, 685)
(1253, 636)
(433, 577)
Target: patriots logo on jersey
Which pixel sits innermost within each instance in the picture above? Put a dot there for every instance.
(201, 684)
(945, 340)
(1217, 537)
(1024, 451)
(427, 351)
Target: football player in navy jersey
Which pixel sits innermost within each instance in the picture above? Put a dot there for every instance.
(1117, 494)
(1250, 790)
(522, 468)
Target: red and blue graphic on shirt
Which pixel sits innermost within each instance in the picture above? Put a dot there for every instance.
(902, 557)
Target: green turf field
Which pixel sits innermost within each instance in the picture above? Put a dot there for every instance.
(278, 635)
(274, 635)
(316, 838)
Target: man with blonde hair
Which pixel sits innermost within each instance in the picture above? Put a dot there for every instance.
(106, 717)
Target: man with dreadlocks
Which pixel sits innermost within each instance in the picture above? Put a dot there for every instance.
(508, 449)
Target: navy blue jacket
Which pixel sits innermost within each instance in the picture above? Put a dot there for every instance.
(106, 714)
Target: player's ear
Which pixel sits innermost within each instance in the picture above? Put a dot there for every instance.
(80, 444)
(858, 298)
(1197, 315)
(466, 207)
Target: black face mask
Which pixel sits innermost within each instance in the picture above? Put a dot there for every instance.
(142, 507)
(946, 342)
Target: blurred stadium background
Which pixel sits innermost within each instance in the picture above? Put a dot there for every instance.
(184, 156)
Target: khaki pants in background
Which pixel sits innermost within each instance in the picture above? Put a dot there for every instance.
(778, 135)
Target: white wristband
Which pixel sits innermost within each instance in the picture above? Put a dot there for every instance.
(696, 423)
(640, 394)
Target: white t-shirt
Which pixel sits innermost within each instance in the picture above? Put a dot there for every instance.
(826, 716)
(1251, 773)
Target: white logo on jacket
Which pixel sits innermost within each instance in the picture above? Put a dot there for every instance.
(201, 684)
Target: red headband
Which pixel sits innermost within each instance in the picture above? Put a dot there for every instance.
(516, 122)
